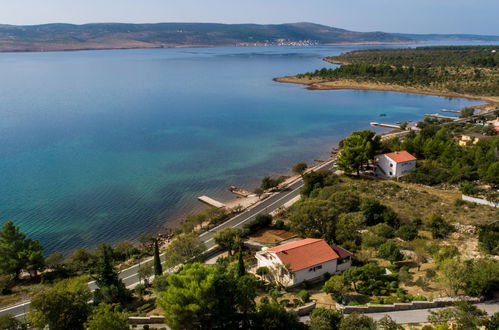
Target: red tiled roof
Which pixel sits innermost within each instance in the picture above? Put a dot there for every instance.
(305, 253)
(342, 252)
(400, 156)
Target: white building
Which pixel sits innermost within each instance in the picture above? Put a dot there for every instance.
(394, 164)
(305, 260)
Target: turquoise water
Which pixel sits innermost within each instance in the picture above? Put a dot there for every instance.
(103, 146)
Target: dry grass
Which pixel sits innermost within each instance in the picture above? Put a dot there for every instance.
(271, 236)
(412, 201)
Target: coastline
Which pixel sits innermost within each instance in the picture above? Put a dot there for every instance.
(317, 84)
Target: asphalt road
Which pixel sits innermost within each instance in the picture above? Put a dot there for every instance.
(130, 275)
(421, 315)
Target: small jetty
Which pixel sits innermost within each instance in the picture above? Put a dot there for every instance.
(373, 123)
(447, 110)
(436, 115)
(211, 202)
(239, 192)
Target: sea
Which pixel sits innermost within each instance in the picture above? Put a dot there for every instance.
(106, 146)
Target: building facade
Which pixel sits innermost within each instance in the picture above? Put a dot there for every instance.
(306, 260)
(394, 164)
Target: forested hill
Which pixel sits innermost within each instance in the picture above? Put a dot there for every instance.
(51, 37)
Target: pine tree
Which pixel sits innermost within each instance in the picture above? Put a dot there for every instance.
(158, 269)
(111, 287)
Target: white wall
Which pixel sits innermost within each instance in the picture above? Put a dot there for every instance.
(391, 168)
(310, 274)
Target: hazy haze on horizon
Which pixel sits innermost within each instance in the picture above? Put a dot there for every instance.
(425, 16)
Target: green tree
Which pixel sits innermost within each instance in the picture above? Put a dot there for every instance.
(386, 323)
(348, 229)
(229, 239)
(82, 261)
(466, 112)
(325, 319)
(453, 276)
(183, 249)
(158, 269)
(111, 288)
(300, 168)
(64, 306)
(356, 321)
(465, 315)
(313, 181)
(337, 288)
(9, 322)
(241, 268)
(202, 297)
(18, 252)
(493, 323)
(357, 150)
(438, 227)
(272, 316)
(106, 317)
(390, 251)
(407, 232)
(374, 212)
(313, 218)
(482, 279)
(32, 256)
(145, 271)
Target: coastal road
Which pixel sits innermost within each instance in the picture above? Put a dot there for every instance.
(130, 275)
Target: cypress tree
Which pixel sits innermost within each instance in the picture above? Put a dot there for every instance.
(241, 269)
(158, 269)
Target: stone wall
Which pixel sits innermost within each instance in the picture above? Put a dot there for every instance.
(439, 302)
(479, 201)
(146, 319)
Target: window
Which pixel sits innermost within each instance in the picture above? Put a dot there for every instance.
(390, 173)
(311, 270)
(319, 267)
(391, 165)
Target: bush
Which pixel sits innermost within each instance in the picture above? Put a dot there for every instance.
(430, 273)
(6, 283)
(438, 226)
(407, 232)
(390, 251)
(261, 221)
(304, 296)
(382, 230)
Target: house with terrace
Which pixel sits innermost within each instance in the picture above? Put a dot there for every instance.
(305, 260)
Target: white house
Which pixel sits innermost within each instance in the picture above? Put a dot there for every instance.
(394, 164)
(305, 260)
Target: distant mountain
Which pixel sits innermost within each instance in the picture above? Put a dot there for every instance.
(51, 37)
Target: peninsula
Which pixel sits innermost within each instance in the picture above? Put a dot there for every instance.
(454, 71)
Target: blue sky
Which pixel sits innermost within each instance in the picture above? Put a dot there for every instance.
(410, 16)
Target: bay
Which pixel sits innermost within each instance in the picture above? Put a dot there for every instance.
(104, 146)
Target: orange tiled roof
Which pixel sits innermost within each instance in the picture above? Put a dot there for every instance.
(305, 253)
(400, 156)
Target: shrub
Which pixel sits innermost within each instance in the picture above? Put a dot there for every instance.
(6, 283)
(390, 251)
(407, 232)
(261, 221)
(430, 273)
(304, 296)
(438, 227)
(382, 230)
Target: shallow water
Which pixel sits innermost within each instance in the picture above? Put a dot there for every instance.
(103, 146)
